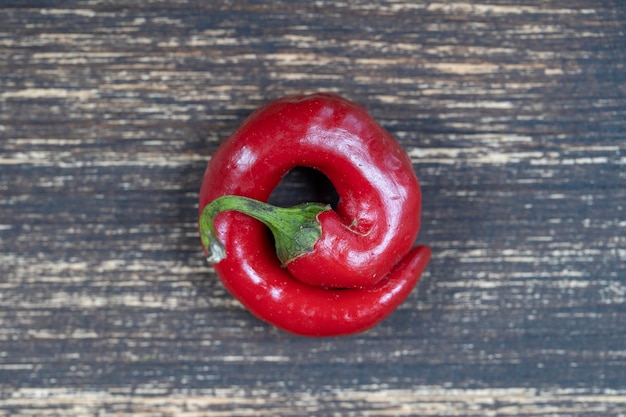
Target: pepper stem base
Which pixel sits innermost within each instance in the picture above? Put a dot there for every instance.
(296, 229)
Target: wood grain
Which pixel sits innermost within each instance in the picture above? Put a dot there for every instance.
(513, 112)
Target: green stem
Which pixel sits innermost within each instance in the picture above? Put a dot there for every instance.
(295, 229)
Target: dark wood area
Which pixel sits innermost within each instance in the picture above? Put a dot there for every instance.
(514, 115)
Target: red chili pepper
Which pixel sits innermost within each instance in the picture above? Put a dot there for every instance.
(333, 272)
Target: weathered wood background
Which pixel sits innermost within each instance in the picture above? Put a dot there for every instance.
(513, 111)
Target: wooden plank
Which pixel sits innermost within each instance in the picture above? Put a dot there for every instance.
(514, 114)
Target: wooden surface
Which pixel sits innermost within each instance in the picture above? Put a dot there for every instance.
(514, 114)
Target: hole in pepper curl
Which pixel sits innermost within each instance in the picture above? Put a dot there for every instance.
(301, 185)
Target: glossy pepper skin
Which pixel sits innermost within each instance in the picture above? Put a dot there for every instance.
(363, 264)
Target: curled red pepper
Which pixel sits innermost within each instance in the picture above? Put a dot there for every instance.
(332, 272)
